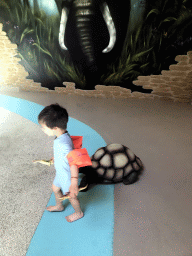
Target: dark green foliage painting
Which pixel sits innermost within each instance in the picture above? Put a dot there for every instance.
(92, 42)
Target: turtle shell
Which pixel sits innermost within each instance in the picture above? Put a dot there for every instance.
(115, 162)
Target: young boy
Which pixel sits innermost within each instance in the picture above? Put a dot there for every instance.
(53, 120)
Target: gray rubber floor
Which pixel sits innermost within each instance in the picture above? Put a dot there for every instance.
(153, 217)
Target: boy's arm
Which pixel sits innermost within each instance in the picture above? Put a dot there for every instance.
(74, 190)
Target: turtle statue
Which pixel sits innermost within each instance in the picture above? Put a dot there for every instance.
(112, 164)
(108, 165)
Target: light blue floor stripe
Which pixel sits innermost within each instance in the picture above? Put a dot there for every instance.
(91, 235)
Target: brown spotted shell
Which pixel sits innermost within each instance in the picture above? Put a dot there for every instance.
(114, 162)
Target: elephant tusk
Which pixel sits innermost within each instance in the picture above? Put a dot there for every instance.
(111, 27)
(64, 17)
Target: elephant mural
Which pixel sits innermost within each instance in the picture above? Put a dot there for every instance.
(94, 28)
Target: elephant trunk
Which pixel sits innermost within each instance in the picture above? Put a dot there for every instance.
(84, 14)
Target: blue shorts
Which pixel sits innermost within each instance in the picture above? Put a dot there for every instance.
(63, 182)
(62, 146)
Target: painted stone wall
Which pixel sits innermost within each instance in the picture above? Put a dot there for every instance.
(172, 85)
(12, 74)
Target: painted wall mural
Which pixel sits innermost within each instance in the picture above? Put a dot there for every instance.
(92, 34)
(92, 42)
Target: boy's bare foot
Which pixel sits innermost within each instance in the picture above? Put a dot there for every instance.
(75, 216)
(55, 208)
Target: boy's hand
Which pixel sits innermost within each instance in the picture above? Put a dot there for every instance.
(73, 191)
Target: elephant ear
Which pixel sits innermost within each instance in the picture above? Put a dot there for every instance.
(59, 6)
(67, 3)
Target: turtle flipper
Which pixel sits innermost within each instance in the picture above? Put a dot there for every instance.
(131, 178)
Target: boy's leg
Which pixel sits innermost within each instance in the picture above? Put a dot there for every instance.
(59, 205)
(78, 212)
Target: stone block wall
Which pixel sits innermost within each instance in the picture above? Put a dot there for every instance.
(12, 74)
(173, 85)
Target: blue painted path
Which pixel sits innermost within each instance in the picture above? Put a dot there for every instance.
(91, 235)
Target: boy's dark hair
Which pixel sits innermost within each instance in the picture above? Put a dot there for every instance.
(54, 116)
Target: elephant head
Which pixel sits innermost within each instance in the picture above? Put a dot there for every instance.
(84, 12)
